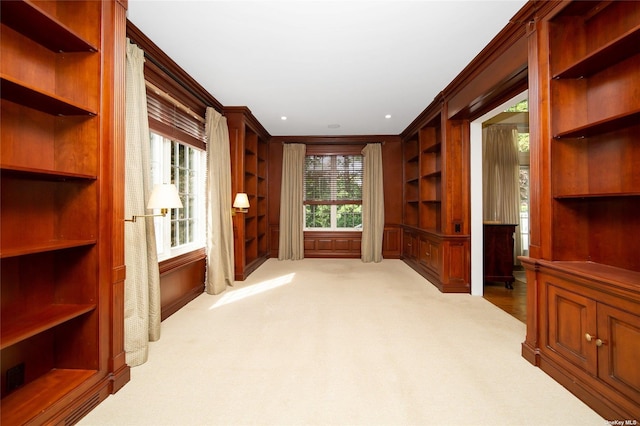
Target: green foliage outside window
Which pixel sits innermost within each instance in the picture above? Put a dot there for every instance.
(333, 179)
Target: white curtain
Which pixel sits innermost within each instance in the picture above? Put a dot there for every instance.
(372, 204)
(220, 267)
(142, 283)
(501, 178)
(291, 241)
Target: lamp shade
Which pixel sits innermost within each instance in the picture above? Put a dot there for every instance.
(164, 196)
(241, 201)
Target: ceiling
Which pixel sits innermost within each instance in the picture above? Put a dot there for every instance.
(330, 67)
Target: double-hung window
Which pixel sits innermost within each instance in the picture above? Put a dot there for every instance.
(182, 230)
(333, 192)
(178, 156)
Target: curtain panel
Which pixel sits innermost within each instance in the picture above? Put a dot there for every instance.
(220, 266)
(291, 240)
(142, 284)
(372, 204)
(501, 178)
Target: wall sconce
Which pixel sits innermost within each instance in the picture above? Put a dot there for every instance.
(241, 203)
(164, 197)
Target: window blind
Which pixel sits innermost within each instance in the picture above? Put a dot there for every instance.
(333, 179)
(173, 123)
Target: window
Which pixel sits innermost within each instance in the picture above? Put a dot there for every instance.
(182, 230)
(333, 192)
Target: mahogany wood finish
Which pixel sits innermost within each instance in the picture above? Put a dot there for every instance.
(181, 280)
(436, 200)
(249, 152)
(61, 251)
(498, 253)
(584, 270)
(341, 244)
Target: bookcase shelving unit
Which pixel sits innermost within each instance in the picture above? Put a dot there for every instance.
(584, 267)
(434, 242)
(61, 349)
(249, 150)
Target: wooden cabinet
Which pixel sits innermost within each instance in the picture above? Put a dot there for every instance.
(590, 335)
(435, 207)
(585, 185)
(438, 257)
(61, 254)
(499, 253)
(249, 145)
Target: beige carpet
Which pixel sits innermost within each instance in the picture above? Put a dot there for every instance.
(339, 342)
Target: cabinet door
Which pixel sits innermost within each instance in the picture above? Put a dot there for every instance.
(618, 363)
(572, 327)
(408, 245)
(430, 255)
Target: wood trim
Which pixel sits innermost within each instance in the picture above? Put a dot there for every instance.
(248, 119)
(169, 265)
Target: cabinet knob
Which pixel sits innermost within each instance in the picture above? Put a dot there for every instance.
(600, 342)
(588, 337)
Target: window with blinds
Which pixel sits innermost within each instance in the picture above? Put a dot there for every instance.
(333, 191)
(178, 156)
(174, 123)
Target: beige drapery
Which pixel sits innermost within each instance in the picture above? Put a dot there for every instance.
(220, 267)
(372, 204)
(291, 241)
(142, 283)
(501, 177)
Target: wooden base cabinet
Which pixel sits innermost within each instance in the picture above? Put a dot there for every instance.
(442, 259)
(589, 335)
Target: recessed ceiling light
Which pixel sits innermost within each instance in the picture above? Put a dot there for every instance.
(283, 118)
(387, 116)
(333, 126)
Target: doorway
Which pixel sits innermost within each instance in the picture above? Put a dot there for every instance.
(514, 111)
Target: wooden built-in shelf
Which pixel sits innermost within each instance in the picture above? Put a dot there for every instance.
(435, 148)
(36, 24)
(22, 327)
(42, 174)
(623, 47)
(43, 247)
(436, 173)
(35, 397)
(602, 126)
(33, 97)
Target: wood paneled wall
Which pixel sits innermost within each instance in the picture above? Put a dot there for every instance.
(181, 281)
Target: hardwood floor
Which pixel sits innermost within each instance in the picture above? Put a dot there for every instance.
(513, 301)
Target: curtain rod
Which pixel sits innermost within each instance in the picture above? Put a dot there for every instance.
(167, 97)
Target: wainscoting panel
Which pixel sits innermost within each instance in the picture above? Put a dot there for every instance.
(341, 244)
(181, 280)
(332, 244)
